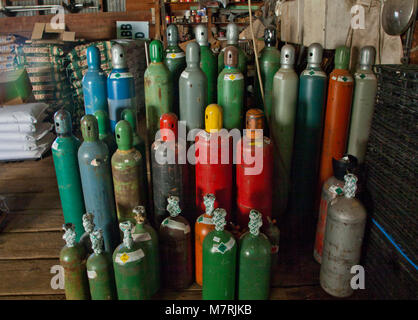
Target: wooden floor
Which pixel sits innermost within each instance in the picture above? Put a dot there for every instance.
(31, 239)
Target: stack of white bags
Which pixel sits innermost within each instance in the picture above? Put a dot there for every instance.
(23, 132)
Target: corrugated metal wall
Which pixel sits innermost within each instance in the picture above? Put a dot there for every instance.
(116, 5)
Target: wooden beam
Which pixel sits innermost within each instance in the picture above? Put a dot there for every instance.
(89, 26)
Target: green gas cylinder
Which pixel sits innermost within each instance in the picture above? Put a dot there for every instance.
(231, 88)
(104, 131)
(175, 60)
(72, 259)
(308, 132)
(139, 144)
(127, 171)
(207, 62)
(219, 261)
(64, 153)
(148, 237)
(158, 87)
(176, 248)
(254, 261)
(232, 37)
(364, 99)
(88, 224)
(283, 113)
(269, 62)
(193, 90)
(100, 270)
(129, 263)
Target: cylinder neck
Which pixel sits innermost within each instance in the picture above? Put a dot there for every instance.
(69, 235)
(89, 128)
(140, 216)
(62, 121)
(202, 35)
(129, 115)
(315, 53)
(213, 118)
(287, 57)
(97, 243)
(254, 124)
(192, 55)
(231, 57)
(173, 206)
(270, 37)
(156, 51)
(126, 227)
(219, 219)
(232, 34)
(168, 127)
(172, 35)
(209, 202)
(342, 58)
(102, 122)
(118, 57)
(367, 58)
(93, 58)
(346, 164)
(123, 133)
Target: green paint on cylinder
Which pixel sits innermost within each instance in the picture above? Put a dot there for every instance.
(219, 261)
(254, 262)
(175, 61)
(231, 86)
(100, 270)
(158, 87)
(64, 153)
(127, 171)
(104, 131)
(129, 263)
(242, 60)
(72, 259)
(148, 237)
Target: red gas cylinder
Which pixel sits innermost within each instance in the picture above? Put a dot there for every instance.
(214, 162)
(254, 170)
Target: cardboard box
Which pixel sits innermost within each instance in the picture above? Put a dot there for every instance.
(45, 32)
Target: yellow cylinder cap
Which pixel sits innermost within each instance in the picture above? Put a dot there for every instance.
(213, 117)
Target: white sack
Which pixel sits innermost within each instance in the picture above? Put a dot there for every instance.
(22, 113)
(26, 155)
(41, 131)
(26, 145)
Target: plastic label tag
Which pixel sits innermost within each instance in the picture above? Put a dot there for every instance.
(205, 220)
(123, 258)
(345, 79)
(185, 75)
(176, 55)
(121, 75)
(224, 247)
(169, 223)
(233, 76)
(91, 274)
(141, 237)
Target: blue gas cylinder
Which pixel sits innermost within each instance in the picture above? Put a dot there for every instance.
(94, 83)
(120, 87)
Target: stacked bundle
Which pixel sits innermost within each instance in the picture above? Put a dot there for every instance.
(23, 134)
(45, 65)
(392, 166)
(9, 60)
(78, 67)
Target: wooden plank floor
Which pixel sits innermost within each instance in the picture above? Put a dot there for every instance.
(31, 239)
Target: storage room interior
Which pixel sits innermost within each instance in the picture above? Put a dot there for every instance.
(208, 150)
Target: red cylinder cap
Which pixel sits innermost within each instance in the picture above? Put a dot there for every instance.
(168, 121)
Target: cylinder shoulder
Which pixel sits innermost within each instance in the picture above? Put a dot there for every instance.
(347, 210)
(129, 158)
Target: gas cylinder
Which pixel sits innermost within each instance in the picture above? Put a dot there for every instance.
(232, 37)
(330, 190)
(308, 134)
(344, 233)
(64, 153)
(127, 171)
(283, 114)
(72, 259)
(273, 234)
(176, 248)
(207, 61)
(254, 170)
(204, 225)
(96, 179)
(340, 92)
(120, 87)
(88, 224)
(254, 261)
(169, 168)
(364, 99)
(104, 132)
(219, 261)
(175, 60)
(214, 172)
(192, 90)
(129, 263)
(94, 83)
(231, 88)
(139, 144)
(100, 270)
(269, 62)
(148, 237)
(158, 87)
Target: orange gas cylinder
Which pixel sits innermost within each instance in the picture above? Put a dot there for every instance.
(337, 116)
(204, 225)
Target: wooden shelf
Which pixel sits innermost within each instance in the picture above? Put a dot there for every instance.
(177, 6)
